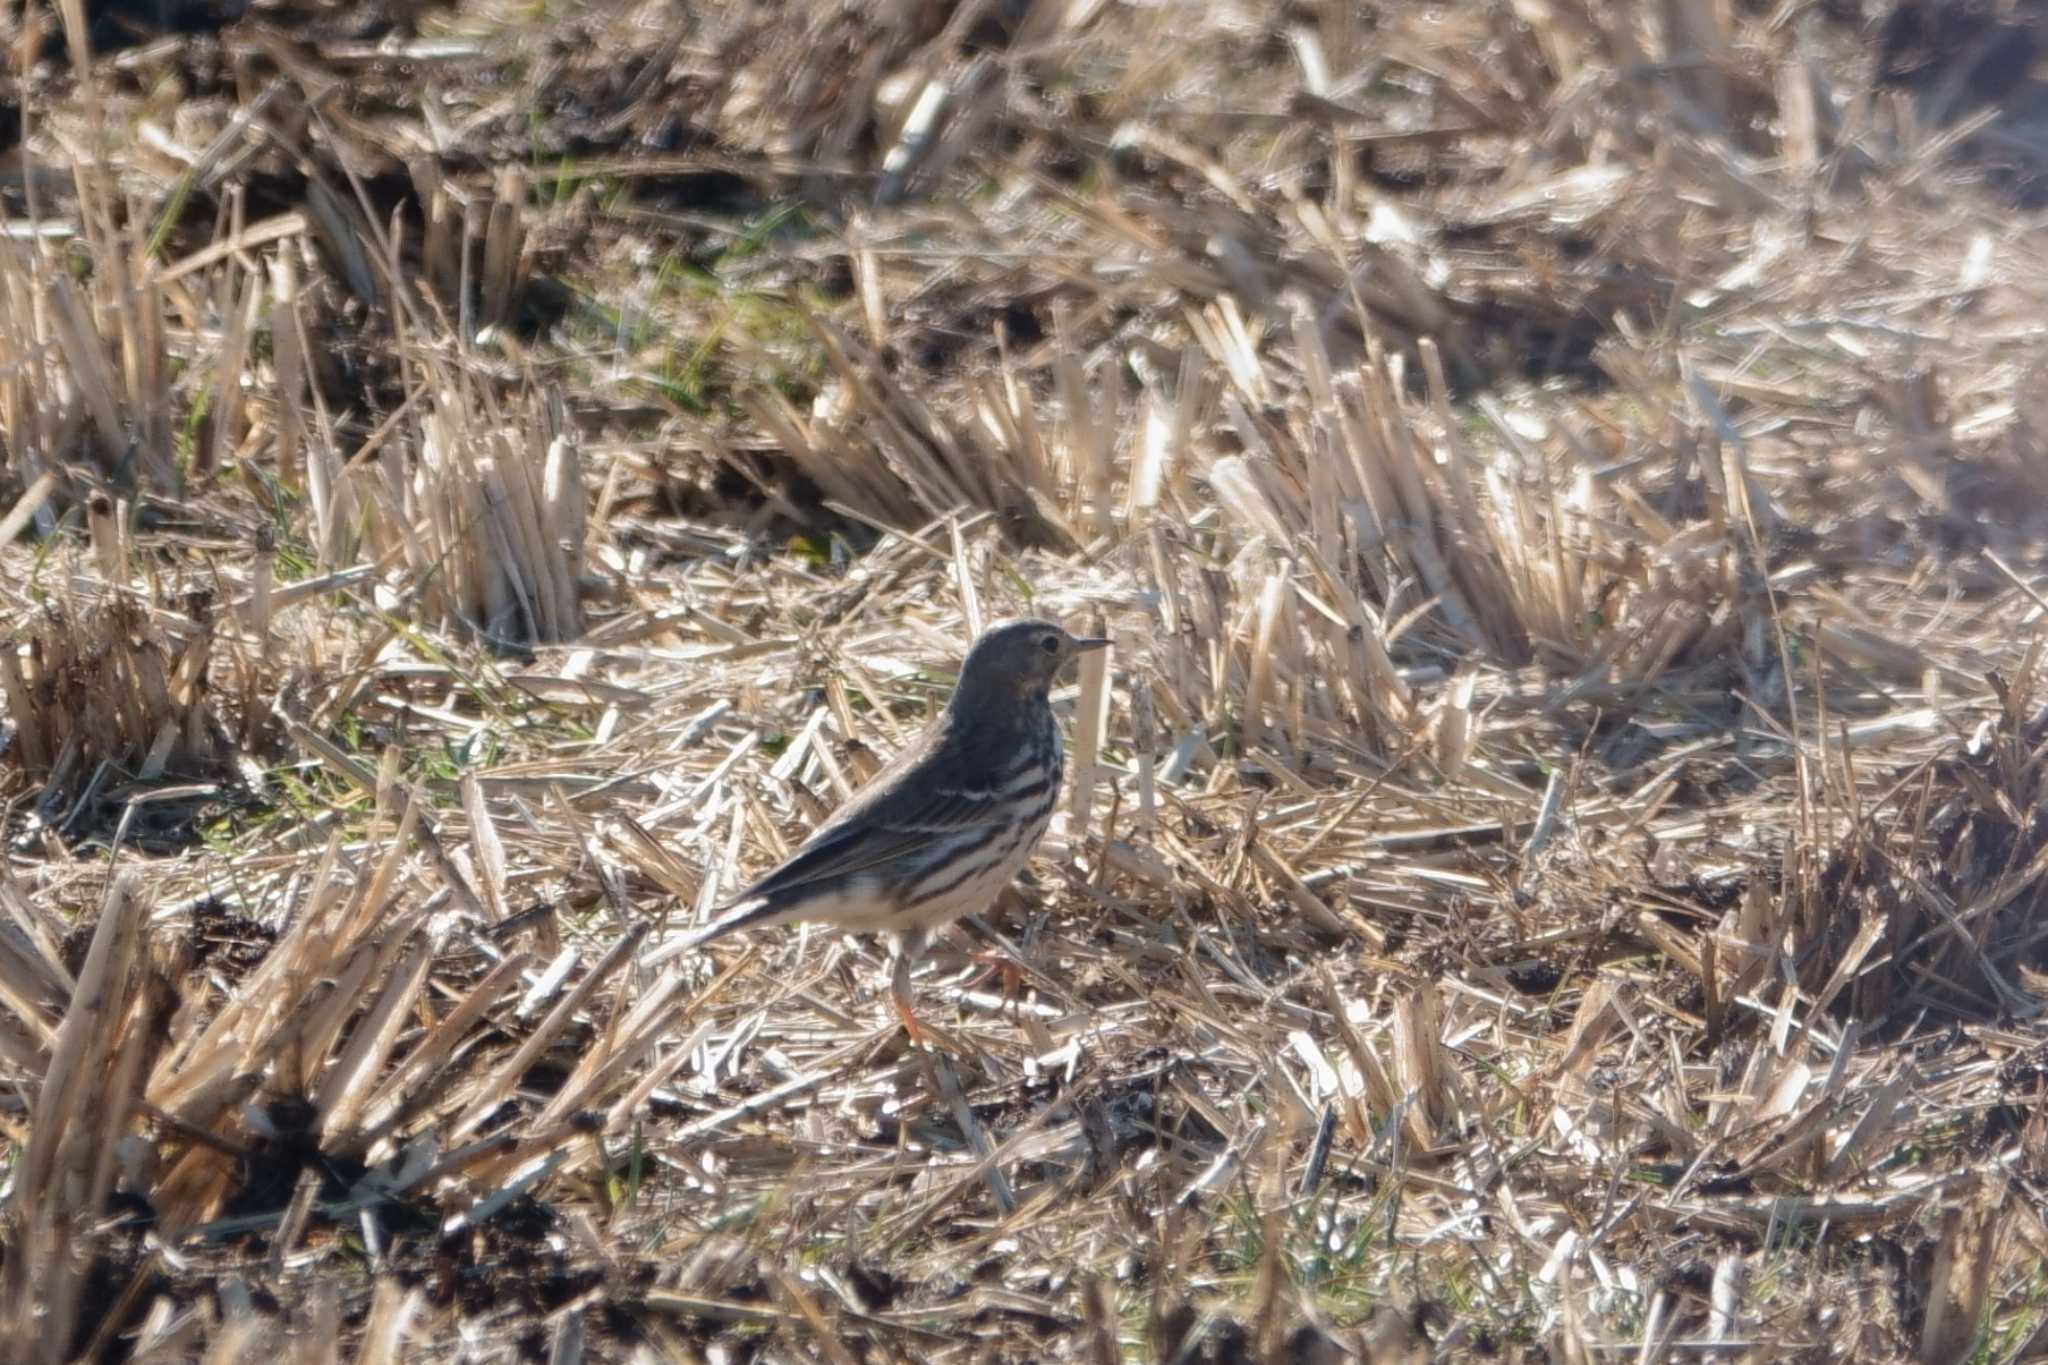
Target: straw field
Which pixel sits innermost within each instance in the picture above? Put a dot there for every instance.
(1555, 866)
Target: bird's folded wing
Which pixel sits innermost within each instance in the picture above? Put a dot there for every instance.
(907, 819)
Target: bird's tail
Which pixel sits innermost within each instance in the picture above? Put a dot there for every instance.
(726, 919)
(746, 914)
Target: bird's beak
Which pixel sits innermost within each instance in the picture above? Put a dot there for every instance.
(1090, 645)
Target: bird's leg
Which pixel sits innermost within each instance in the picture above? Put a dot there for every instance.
(1002, 960)
(910, 946)
(899, 995)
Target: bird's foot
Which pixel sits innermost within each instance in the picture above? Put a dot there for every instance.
(1001, 965)
(919, 1032)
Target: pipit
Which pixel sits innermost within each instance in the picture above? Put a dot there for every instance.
(945, 827)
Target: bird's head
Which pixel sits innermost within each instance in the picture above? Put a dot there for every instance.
(1018, 659)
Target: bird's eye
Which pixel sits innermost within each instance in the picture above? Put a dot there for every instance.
(1050, 644)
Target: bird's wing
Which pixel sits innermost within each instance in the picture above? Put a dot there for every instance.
(872, 833)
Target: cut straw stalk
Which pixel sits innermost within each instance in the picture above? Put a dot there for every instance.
(1091, 719)
(490, 525)
(112, 680)
(80, 1113)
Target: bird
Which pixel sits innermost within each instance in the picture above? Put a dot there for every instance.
(940, 831)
